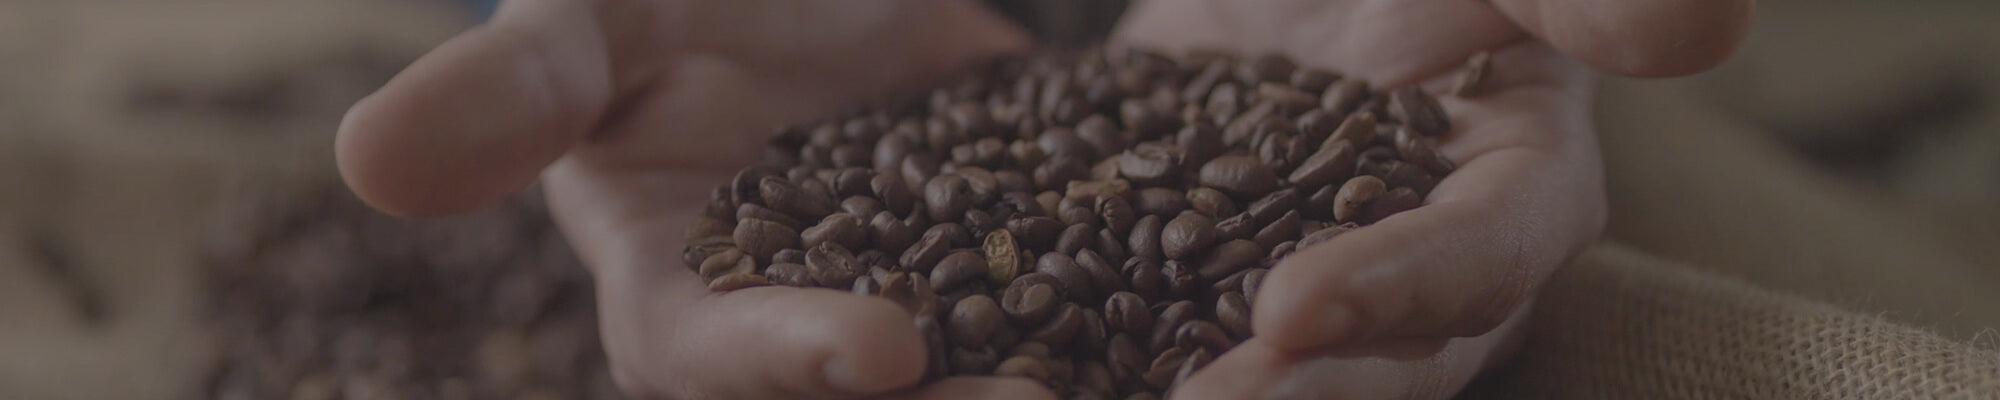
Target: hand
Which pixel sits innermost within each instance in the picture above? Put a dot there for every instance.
(631, 111)
(1372, 314)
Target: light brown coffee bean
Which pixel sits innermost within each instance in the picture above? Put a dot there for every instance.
(789, 274)
(731, 261)
(737, 281)
(1002, 257)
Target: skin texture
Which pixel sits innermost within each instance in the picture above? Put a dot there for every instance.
(630, 110)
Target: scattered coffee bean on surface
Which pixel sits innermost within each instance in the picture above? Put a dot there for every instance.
(1097, 222)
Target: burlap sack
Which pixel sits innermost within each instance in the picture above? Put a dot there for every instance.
(1620, 324)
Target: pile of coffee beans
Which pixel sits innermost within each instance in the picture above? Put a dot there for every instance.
(1098, 222)
(318, 297)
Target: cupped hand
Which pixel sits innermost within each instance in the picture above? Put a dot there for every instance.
(1416, 305)
(631, 111)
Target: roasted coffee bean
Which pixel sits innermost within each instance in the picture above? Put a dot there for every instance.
(957, 268)
(1074, 281)
(1211, 202)
(1002, 257)
(1395, 201)
(789, 274)
(1196, 360)
(736, 281)
(1279, 252)
(926, 252)
(1151, 163)
(1251, 283)
(956, 236)
(935, 346)
(947, 197)
(1289, 101)
(794, 256)
(1286, 228)
(762, 239)
(889, 152)
(1270, 207)
(893, 194)
(1203, 334)
(1312, 80)
(1356, 131)
(1243, 130)
(1200, 142)
(1026, 154)
(1076, 216)
(891, 234)
(973, 320)
(1331, 164)
(1160, 201)
(1406, 175)
(730, 261)
(1324, 235)
(1029, 303)
(832, 266)
(861, 206)
(1418, 150)
(911, 291)
(1167, 321)
(866, 286)
(1036, 232)
(752, 211)
(1023, 367)
(1060, 328)
(1058, 172)
(1110, 246)
(745, 189)
(1232, 312)
(1227, 258)
(1355, 195)
(1124, 355)
(985, 186)
(973, 362)
(1076, 237)
(1145, 277)
(1104, 278)
(1186, 235)
(1127, 312)
(1345, 96)
(1144, 242)
(1164, 369)
(842, 229)
(706, 226)
(1419, 111)
(1266, 68)
(1236, 227)
(786, 197)
(1183, 281)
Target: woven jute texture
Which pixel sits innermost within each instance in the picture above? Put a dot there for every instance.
(1620, 324)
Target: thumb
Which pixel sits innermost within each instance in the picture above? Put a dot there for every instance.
(480, 116)
(1645, 38)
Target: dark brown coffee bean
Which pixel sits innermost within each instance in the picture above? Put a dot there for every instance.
(1345, 96)
(794, 256)
(1198, 87)
(762, 239)
(1117, 214)
(1023, 367)
(973, 362)
(832, 266)
(842, 229)
(893, 194)
(1094, 382)
(917, 170)
(783, 196)
(1231, 283)
(861, 206)
(1356, 131)
(1204, 335)
(957, 268)
(973, 320)
(1286, 228)
(941, 134)
(1110, 246)
(1331, 164)
(1182, 279)
(753, 211)
(1266, 68)
(1124, 355)
(1060, 328)
(1036, 232)
(1196, 360)
(1076, 237)
(1317, 125)
(956, 236)
(1251, 283)
(1167, 321)
(1159, 201)
(731, 261)
(1395, 201)
(1145, 277)
(1104, 277)
(1324, 235)
(926, 253)
(1076, 215)
(1002, 257)
(1103, 135)
(1419, 111)
(1419, 150)
(1128, 312)
(1356, 194)
(706, 226)
(1236, 227)
(745, 188)
(1227, 258)
(866, 286)
(1288, 100)
(1058, 172)
(1063, 143)
(1239, 175)
(1232, 312)
(1027, 154)
(1312, 80)
(789, 274)
(1244, 129)
(985, 186)
(1144, 242)
(1186, 235)
(1151, 163)
(891, 234)
(1144, 121)
(1029, 303)
(890, 151)
(736, 281)
(947, 197)
(1211, 202)
(1407, 175)
(1200, 142)
(1074, 281)
(1164, 369)
(1270, 207)
(1224, 102)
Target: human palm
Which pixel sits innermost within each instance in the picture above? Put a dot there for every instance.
(630, 110)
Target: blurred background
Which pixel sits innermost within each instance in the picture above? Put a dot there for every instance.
(171, 228)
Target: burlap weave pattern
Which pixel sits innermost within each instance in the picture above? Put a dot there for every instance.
(1620, 324)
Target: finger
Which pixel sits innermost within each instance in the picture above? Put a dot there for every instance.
(1256, 370)
(1648, 38)
(787, 343)
(479, 116)
(977, 389)
(1388, 43)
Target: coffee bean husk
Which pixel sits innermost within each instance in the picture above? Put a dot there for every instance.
(1097, 222)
